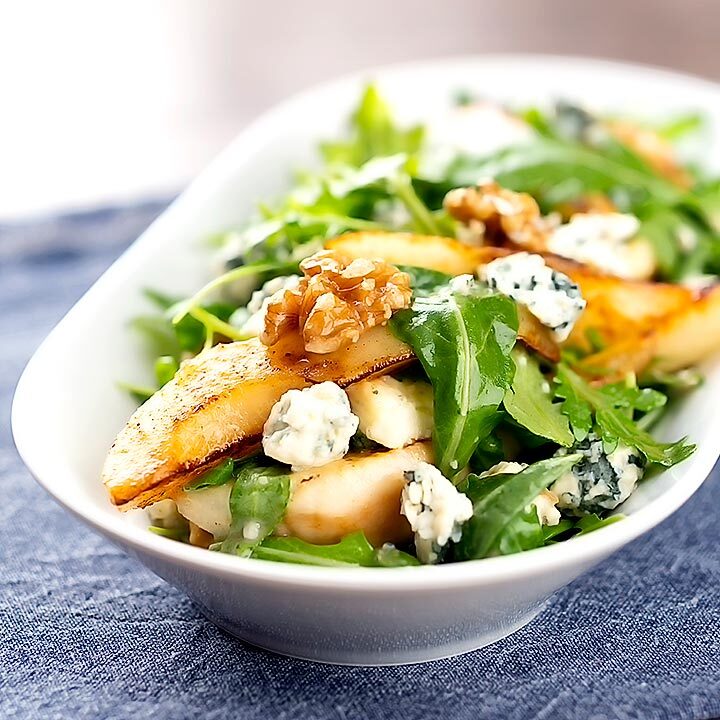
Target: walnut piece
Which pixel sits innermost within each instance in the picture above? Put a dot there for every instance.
(506, 215)
(336, 300)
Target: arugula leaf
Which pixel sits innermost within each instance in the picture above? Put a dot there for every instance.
(490, 450)
(352, 551)
(613, 423)
(389, 556)
(140, 393)
(499, 500)
(523, 532)
(531, 405)
(180, 534)
(257, 503)
(219, 475)
(165, 368)
(160, 299)
(158, 333)
(550, 532)
(464, 344)
(681, 126)
(373, 133)
(632, 397)
(578, 410)
(592, 522)
(424, 281)
(561, 171)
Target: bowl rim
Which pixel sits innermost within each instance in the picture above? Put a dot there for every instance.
(487, 571)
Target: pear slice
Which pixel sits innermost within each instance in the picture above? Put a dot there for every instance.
(216, 405)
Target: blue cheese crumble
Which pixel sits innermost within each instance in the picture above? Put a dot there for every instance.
(600, 481)
(545, 503)
(435, 509)
(251, 319)
(310, 427)
(551, 296)
(605, 241)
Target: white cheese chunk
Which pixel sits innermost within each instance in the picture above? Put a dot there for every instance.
(550, 295)
(393, 413)
(545, 503)
(604, 241)
(310, 427)
(435, 509)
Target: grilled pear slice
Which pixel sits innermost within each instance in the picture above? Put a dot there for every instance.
(616, 308)
(679, 340)
(358, 492)
(217, 403)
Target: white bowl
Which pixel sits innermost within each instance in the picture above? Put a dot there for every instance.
(68, 408)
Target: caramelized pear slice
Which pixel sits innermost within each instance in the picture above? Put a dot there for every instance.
(448, 256)
(617, 309)
(217, 404)
(679, 340)
(358, 492)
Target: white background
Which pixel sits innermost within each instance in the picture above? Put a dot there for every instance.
(111, 100)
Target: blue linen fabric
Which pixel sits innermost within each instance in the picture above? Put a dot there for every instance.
(87, 632)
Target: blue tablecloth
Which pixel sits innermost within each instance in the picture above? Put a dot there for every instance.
(86, 632)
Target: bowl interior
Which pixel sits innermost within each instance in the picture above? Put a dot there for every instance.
(68, 407)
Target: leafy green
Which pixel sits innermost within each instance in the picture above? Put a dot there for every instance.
(165, 368)
(550, 532)
(180, 534)
(139, 393)
(681, 126)
(464, 344)
(159, 335)
(592, 522)
(490, 450)
(257, 503)
(219, 475)
(424, 281)
(352, 551)
(558, 171)
(632, 397)
(373, 133)
(523, 532)
(614, 424)
(530, 403)
(577, 410)
(682, 236)
(501, 521)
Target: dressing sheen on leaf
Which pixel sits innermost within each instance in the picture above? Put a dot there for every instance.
(464, 343)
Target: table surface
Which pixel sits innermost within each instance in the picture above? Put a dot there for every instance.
(87, 632)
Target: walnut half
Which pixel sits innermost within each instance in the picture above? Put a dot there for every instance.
(336, 300)
(506, 215)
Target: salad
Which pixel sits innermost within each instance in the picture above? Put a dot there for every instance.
(449, 342)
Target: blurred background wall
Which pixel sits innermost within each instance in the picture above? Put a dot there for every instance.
(109, 100)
